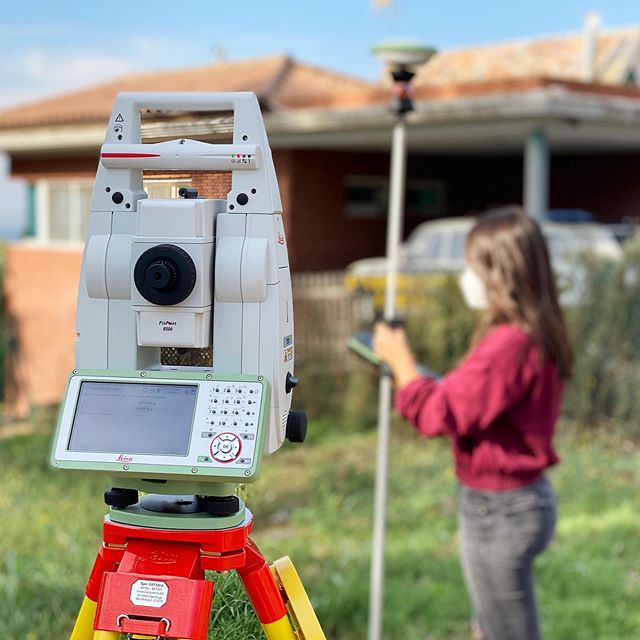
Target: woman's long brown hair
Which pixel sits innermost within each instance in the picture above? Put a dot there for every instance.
(508, 252)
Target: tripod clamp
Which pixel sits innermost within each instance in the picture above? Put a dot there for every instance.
(152, 623)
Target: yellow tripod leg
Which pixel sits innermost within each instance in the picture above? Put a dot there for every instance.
(106, 635)
(279, 630)
(83, 628)
(304, 619)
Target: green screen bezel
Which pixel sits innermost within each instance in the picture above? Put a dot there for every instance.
(203, 472)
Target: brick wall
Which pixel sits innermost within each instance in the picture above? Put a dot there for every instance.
(40, 286)
(211, 185)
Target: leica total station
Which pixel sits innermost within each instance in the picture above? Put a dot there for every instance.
(184, 276)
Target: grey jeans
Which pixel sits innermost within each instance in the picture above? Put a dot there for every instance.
(501, 532)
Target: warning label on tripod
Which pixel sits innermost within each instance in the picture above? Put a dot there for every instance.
(149, 593)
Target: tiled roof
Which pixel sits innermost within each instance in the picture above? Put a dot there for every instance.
(280, 81)
(277, 80)
(616, 53)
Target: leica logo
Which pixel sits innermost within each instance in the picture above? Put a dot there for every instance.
(123, 458)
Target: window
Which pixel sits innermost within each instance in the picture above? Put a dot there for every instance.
(62, 209)
(62, 206)
(425, 198)
(165, 188)
(368, 197)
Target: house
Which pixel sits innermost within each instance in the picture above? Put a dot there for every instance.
(551, 121)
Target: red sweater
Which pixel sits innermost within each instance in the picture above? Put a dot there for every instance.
(499, 407)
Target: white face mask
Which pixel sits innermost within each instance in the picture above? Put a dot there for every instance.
(473, 289)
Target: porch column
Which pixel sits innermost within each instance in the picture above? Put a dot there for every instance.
(536, 174)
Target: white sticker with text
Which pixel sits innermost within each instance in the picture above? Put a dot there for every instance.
(149, 593)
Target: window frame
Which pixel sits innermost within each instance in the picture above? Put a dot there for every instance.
(377, 208)
(43, 188)
(74, 185)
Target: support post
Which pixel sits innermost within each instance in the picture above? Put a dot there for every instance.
(536, 174)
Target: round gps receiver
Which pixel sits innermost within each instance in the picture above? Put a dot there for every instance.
(165, 274)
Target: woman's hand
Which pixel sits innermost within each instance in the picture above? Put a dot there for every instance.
(391, 344)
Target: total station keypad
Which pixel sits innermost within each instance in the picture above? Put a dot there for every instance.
(231, 421)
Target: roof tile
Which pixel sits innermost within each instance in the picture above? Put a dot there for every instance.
(560, 57)
(277, 78)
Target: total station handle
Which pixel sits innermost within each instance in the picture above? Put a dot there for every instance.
(177, 155)
(123, 156)
(245, 107)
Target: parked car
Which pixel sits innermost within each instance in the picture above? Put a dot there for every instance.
(438, 246)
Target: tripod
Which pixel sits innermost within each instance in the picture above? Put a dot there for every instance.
(150, 582)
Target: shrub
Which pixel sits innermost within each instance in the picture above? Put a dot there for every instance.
(606, 334)
(605, 330)
(439, 327)
(7, 333)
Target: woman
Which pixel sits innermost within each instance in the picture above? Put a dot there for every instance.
(499, 409)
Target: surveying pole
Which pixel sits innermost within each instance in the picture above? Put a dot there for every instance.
(400, 57)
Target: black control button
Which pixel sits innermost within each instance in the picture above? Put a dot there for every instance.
(218, 505)
(291, 382)
(120, 498)
(242, 198)
(296, 426)
(117, 197)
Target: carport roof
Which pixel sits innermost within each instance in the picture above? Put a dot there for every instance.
(489, 117)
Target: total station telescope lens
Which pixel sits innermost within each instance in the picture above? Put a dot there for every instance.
(165, 274)
(162, 275)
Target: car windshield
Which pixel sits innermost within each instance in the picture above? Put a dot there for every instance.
(565, 242)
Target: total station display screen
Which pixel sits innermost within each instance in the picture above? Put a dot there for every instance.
(126, 417)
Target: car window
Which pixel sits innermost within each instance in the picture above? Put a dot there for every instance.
(427, 246)
(556, 244)
(433, 247)
(588, 238)
(458, 243)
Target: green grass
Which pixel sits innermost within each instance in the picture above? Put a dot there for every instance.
(313, 503)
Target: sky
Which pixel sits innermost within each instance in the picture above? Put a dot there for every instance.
(52, 47)
(49, 47)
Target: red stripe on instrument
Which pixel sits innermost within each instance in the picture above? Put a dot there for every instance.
(129, 155)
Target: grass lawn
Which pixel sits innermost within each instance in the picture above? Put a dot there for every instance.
(313, 503)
